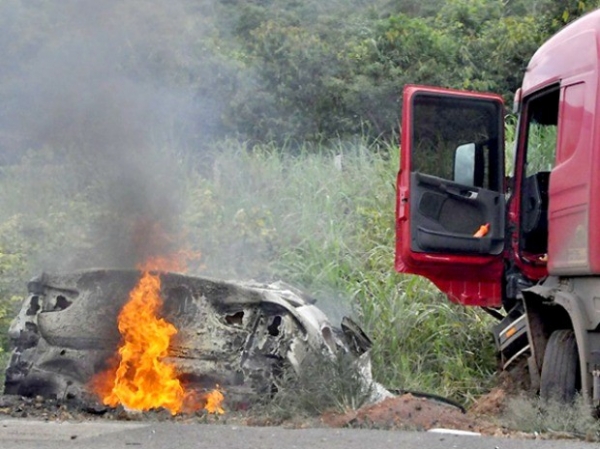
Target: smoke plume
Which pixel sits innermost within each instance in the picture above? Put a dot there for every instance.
(94, 84)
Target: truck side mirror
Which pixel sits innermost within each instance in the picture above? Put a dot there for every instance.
(464, 164)
(469, 165)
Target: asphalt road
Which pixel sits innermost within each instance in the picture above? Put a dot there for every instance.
(25, 434)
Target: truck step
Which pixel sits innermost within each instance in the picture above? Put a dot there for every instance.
(511, 337)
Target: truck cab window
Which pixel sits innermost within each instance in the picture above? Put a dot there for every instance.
(447, 127)
(456, 171)
(541, 128)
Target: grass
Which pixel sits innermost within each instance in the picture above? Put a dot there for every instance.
(4, 357)
(425, 343)
(323, 384)
(534, 415)
(266, 213)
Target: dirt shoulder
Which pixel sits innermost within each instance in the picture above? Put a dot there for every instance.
(405, 412)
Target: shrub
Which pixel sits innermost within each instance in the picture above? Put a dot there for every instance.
(552, 417)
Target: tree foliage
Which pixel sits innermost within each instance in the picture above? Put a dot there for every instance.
(265, 69)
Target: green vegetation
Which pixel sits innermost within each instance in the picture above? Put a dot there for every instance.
(264, 213)
(533, 415)
(264, 70)
(261, 134)
(323, 385)
(331, 232)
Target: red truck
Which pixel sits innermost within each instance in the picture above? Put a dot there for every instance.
(523, 234)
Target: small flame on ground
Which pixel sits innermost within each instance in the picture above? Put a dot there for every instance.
(142, 379)
(214, 401)
(210, 401)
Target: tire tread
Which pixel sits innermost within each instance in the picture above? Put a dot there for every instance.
(560, 369)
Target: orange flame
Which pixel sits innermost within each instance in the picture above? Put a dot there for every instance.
(214, 400)
(143, 380)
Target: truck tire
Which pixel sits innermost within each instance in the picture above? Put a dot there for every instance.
(560, 379)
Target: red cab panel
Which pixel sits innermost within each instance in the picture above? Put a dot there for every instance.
(450, 210)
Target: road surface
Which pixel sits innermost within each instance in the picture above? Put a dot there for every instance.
(28, 434)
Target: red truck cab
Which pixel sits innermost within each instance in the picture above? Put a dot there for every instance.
(517, 232)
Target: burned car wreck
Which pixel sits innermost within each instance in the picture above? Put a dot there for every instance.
(241, 336)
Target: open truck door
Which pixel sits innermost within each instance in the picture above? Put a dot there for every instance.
(450, 210)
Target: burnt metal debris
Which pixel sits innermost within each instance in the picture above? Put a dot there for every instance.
(238, 335)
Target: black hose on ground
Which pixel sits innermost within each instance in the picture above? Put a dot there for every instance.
(434, 397)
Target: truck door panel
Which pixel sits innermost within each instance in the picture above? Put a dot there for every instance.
(450, 184)
(446, 215)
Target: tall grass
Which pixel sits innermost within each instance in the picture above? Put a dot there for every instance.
(266, 213)
(332, 233)
(535, 415)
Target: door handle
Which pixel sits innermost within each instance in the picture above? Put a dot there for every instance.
(465, 194)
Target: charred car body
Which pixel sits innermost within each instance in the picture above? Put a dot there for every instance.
(242, 336)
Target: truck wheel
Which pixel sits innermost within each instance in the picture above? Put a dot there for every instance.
(560, 379)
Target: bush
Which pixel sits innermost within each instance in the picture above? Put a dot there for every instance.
(323, 384)
(534, 415)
